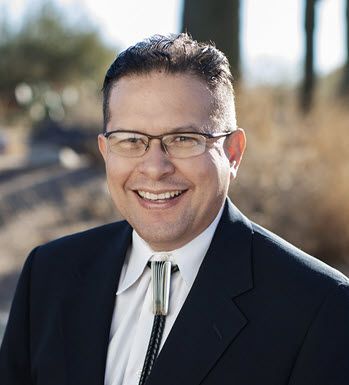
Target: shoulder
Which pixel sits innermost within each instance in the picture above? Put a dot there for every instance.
(88, 238)
(278, 261)
(71, 250)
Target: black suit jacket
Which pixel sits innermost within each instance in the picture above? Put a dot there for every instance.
(260, 312)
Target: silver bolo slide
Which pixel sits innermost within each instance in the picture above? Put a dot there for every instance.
(161, 278)
(161, 282)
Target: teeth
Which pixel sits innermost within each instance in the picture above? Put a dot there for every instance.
(162, 196)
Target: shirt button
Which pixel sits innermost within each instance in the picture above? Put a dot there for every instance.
(139, 373)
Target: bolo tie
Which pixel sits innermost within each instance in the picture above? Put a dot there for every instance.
(161, 279)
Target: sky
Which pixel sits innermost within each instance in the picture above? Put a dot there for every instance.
(271, 34)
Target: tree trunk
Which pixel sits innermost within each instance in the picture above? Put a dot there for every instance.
(308, 81)
(217, 21)
(345, 81)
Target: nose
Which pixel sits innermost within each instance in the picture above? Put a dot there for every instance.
(155, 163)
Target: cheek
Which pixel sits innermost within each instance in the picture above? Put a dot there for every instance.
(117, 174)
(218, 169)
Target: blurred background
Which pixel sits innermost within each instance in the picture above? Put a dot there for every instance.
(290, 61)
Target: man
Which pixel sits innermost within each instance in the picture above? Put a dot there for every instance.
(245, 306)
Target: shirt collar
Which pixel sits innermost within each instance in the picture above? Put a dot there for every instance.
(188, 258)
(136, 259)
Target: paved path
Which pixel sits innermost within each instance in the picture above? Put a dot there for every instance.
(43, 185)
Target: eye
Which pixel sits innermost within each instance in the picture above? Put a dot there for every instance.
(132, 140)
(183, 140)
(127, 140)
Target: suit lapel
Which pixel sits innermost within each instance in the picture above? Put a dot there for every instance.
(209, 320)
(87, 312)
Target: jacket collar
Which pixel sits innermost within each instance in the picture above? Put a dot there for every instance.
(209, 317)
(87, 311)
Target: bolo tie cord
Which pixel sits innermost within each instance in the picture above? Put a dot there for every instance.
(161, 275)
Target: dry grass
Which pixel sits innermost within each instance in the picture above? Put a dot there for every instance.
(295, 176)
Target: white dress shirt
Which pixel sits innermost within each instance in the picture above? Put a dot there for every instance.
(133, 317)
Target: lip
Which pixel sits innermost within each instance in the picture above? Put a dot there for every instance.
(160, 204)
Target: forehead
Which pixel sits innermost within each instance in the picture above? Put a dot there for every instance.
(159, 101)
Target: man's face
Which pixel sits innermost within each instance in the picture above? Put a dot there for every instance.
(156, 104)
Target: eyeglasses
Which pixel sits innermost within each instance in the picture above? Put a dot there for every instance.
(133, 144)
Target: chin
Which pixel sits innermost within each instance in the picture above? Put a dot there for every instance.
(161, 239)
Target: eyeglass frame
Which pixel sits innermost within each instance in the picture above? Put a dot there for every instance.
(207, 136)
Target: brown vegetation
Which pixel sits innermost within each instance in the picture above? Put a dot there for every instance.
(295, 176)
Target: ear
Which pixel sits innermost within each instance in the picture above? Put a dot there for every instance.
(103, 147)
(235, 147)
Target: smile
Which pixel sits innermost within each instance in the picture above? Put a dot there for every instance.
(162, 196)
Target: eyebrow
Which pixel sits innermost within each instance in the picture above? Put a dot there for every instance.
(189, 128)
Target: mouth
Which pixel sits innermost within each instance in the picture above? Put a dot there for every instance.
(159, 197)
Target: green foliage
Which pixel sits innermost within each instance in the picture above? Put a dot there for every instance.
(47, 50)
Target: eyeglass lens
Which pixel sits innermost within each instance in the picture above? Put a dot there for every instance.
(181, 145)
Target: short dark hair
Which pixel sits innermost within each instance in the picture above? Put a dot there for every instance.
(176, 53)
